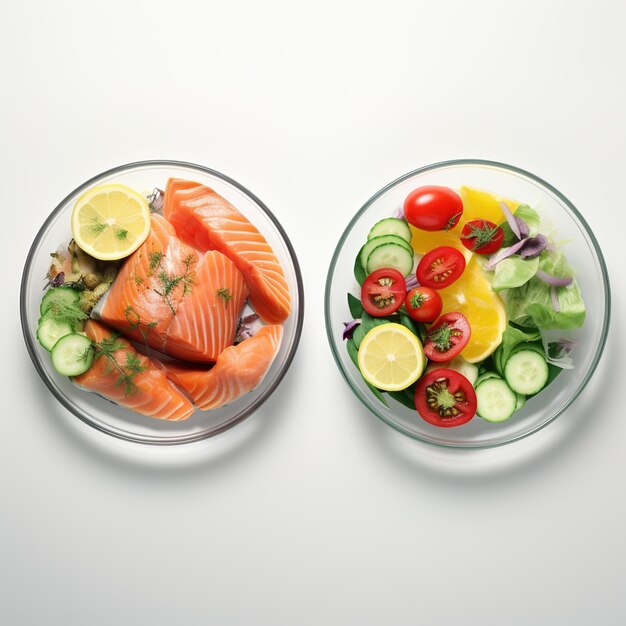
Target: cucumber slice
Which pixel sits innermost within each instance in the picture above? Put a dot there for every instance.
(50, 331)
(526, 372)
(496, 400)
(391, 226)
(486, 376)
(62, 295)
(521, 401)
(367, 249)
(390, 255)
(72, 355)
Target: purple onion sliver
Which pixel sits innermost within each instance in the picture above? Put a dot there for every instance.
(533, 246)
(411, 282)
(555, 281)
(399, 213)
(567, 344)
(503, 254)
(524, 229)
(510, 218)
(555, 299)
(349, 328)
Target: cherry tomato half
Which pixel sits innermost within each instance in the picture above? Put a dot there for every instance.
(445, 398)
(423, 304)
(383, 292)
(482, 236)
(440, 267)
(433, 208)
(447, 337)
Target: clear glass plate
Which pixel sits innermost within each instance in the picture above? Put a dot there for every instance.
(107, 416)
(583, 253)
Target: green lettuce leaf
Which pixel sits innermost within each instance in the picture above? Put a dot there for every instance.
(511, 338)
(514, 272)
(530, 216)
(531, 303)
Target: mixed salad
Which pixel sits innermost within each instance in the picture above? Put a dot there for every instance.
(459, 294)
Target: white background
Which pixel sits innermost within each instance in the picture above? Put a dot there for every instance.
(312, 511)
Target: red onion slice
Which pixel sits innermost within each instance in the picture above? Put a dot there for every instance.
(349, 328)
(555, 281)
(503, 254)
(510, 218)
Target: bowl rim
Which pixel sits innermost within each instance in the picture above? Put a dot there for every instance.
(494, 165)
(177, 440)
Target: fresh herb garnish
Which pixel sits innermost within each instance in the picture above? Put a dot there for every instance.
(97, 227)
(170, 283)
(442, 336)
(121, 234)
(68, 313)
(154, 259)
(481, 235)
(138, 280)
(127, 370)
(417, 300)
(224, 293)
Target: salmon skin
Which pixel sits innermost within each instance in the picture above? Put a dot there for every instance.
(175, 299)
(207, 221)
(238, 370)
(131, 379)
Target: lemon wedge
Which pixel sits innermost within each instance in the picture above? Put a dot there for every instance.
(110, 222)
(391, 357)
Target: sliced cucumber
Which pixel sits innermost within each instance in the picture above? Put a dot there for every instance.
(520, 401)
(366, 250)
(391, 226)
(526, 372)
(486, 376)
(61, 295)
(390, 255)
(72, 355)
(496, 400)
(50, 331)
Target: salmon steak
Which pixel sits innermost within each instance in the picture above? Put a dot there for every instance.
(238, 370)
(130, 379)
(207, 221)
(175, 299)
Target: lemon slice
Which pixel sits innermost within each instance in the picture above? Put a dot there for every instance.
(391, 357)
(110, 222)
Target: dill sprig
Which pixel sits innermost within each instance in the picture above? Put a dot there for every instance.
(225, 294)
(62, 312)
(127, 370)
(170, 283)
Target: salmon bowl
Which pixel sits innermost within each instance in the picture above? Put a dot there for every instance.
(467, 304)
(161, 302)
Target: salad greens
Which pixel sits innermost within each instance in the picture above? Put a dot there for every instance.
(532, 303)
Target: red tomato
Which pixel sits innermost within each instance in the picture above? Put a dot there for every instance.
(482, 236)
(447, 337)
(440, 267)
(433, 208)
(445, 398)
(383, 292)
(423, 304)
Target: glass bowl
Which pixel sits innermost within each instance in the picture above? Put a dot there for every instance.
(105, 415)
(583, 253)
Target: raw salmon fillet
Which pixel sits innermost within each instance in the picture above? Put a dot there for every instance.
(238, 370)
(175, 299)
(148, 391)
(205, 220)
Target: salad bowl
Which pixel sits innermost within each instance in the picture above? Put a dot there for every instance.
(105, 415)
(567, 229)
